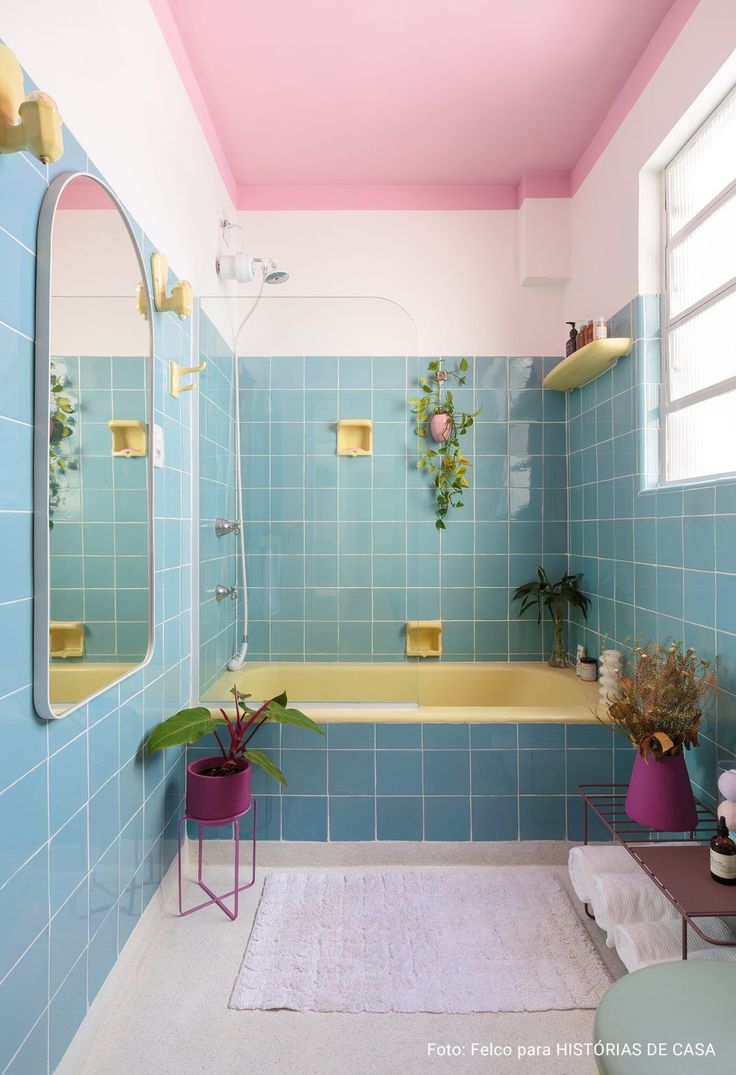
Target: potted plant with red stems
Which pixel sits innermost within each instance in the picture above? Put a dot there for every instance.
(219, 786)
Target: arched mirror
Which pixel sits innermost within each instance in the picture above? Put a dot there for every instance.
(93, 518)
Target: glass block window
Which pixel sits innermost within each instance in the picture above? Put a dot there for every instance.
(699, 390)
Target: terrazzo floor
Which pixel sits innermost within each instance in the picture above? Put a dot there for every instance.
(172, 1016)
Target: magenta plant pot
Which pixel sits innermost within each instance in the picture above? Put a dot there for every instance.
(440, 426)
(660, 796)
(212, 797)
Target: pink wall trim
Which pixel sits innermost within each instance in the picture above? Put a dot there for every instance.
(377, 197)
(490, 196)
(541, 185)
(171, 34)
(658, 47)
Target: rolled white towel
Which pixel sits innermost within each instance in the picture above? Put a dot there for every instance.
(585, 862)
(640, 944)
(619, 898)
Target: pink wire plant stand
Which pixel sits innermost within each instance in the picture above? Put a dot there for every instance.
(237, 887)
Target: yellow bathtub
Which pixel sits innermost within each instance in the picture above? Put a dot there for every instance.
(72, 683)
(446, 692)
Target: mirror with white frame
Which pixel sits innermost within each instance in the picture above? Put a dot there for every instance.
(93, 519)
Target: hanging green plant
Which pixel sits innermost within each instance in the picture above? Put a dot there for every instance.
(439, 429)
(62, 424)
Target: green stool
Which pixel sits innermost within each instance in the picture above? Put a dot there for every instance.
(681, 1006)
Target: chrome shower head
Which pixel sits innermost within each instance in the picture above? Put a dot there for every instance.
(272, 274)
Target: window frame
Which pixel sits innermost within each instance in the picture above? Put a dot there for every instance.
(669, 406)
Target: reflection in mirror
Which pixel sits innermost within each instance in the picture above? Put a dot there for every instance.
(98, 372)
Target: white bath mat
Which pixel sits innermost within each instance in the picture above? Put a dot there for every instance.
(488, 939)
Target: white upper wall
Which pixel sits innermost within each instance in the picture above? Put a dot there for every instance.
(111, 73)
(616, 246)
(455, 272)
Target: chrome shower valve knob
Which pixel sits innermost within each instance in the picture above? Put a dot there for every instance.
(221, 592)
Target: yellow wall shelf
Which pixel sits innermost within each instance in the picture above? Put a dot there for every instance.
(129, 437)
(424, 638)
(355, 436)
(587, 363)
(66, 639)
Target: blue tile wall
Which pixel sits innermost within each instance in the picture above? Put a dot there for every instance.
(430, 782)
(99, 566)
(85, 830)
(219, 635)
(658, 563)
(342, 551)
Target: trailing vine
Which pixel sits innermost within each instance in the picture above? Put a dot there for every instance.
(439, 429)
(62, 424)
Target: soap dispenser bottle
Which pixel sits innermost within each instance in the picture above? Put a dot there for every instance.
(572, 340)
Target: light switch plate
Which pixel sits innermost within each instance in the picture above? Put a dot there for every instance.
(158, 446)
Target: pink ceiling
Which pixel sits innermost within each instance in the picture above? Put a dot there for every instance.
(412, 103)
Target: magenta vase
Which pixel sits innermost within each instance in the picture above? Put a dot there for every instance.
(660, 796)
(440, 426)
(214, 797)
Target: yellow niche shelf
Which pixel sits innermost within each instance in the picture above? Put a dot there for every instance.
(66, 638)
(587, 363)
(424, 638)
(129, 437)
(355, 436)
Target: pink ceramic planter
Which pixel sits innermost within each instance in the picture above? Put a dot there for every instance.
(660, 795)
(214, 797)
(440, 426)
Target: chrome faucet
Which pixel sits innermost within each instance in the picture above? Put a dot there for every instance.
(225, 526)
(221, 592)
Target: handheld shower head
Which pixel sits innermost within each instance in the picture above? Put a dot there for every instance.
(272, 274)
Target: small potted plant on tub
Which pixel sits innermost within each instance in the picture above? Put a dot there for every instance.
(219, 786)
(542, 593)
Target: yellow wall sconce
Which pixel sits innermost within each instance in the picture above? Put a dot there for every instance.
(176, 372)
(141, 301)
(29, 122)
(180, 300)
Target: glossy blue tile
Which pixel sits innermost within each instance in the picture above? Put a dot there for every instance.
(23, 820)
(23, 996)
(304, 817)
(68, 935)
(351, 772)
(32, 1057)
(68, 859)
(352, 818)
(66, 1011)
(495, 817)
(542, 817)
(541, 771)
(446, 772)
(102, 954)
(541, 735)
(396, 736)
(446, 736)
(24, 903)
(493, 772)
(399, 818)
(68, 789)
(447, 817)
(305, 771)
(399, 772)
(493, 736)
